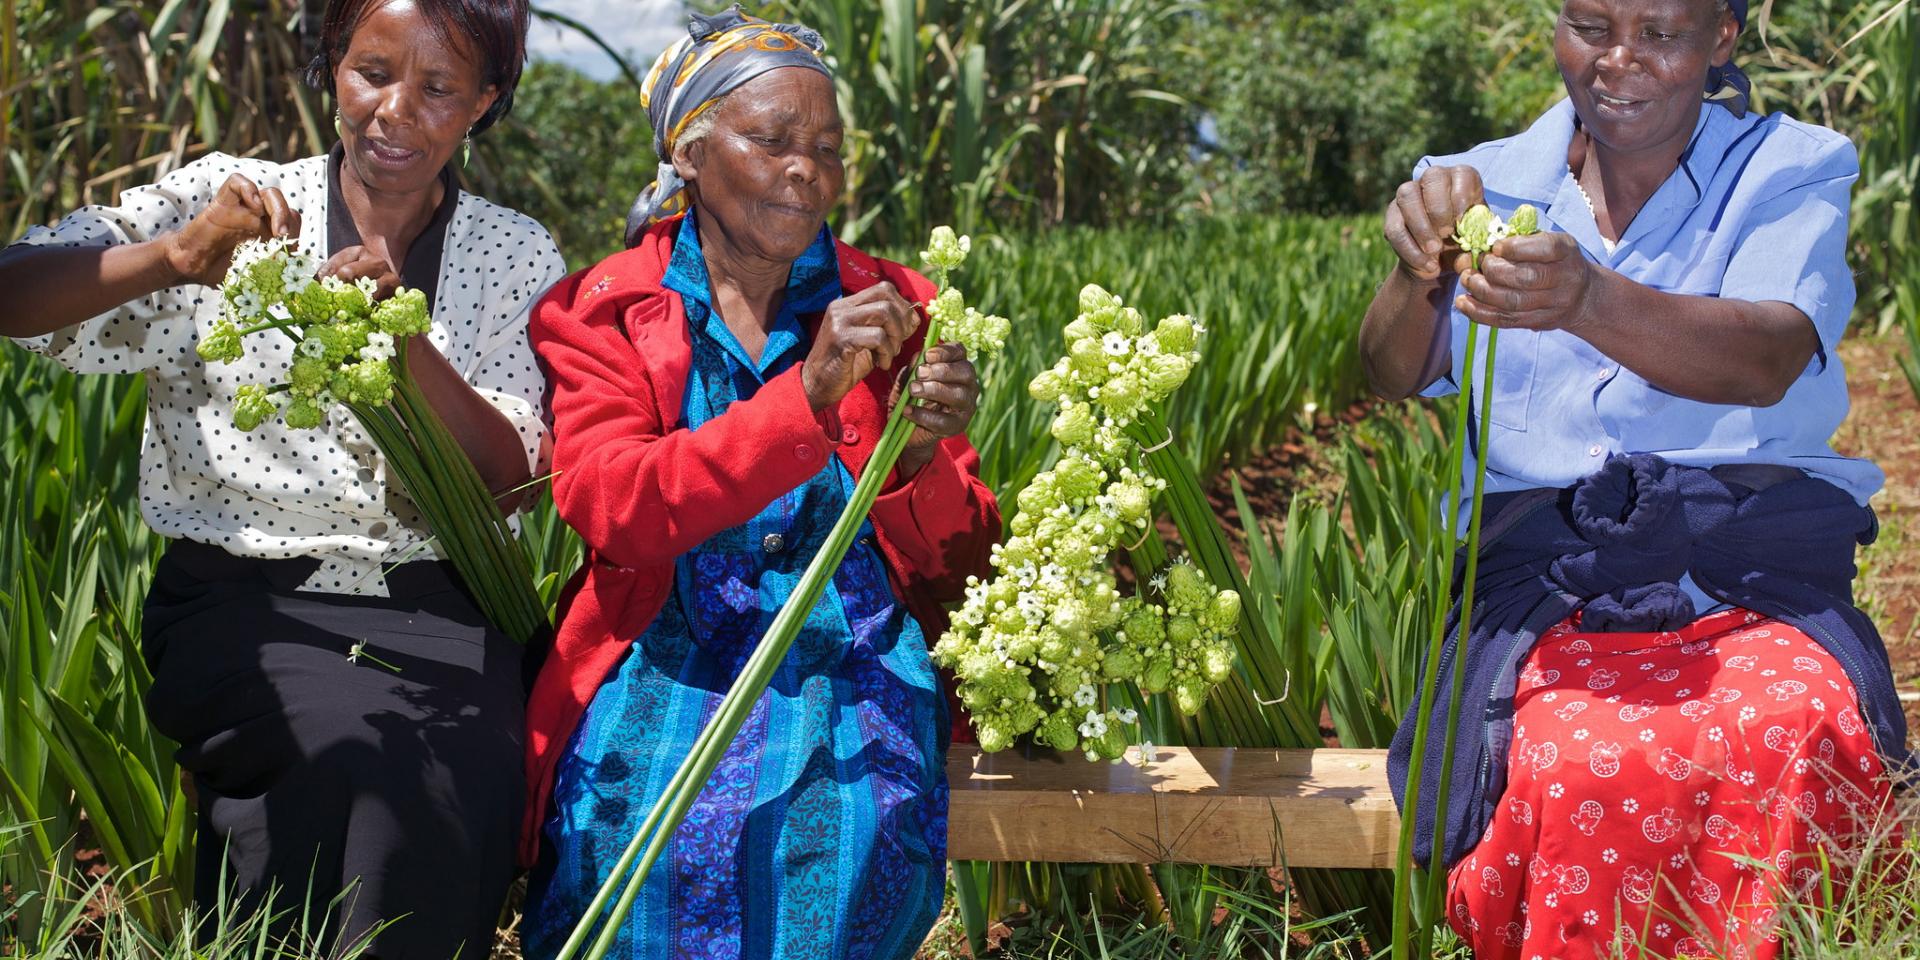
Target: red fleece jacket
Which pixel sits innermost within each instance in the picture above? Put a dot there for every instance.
(641, 492)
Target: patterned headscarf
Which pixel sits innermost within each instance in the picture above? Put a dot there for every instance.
(1728, 86)
(720, 53)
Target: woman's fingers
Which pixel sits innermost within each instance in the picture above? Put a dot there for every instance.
(941, 423)
(282, 219)
(1465, 188)
(952, 396)
(1503, 272)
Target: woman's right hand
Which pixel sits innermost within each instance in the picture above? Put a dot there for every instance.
(202, 251)
(858, 334)
(1419, 222)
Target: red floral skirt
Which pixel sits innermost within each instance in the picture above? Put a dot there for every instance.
(1665, 792)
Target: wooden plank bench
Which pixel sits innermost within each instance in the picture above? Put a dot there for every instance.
(1220, 806)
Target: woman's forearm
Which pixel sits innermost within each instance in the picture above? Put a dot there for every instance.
(51, 288)
(1706, 349)
(487, 436)
(1397, 338)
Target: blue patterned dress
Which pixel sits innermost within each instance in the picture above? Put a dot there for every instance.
(822, 833)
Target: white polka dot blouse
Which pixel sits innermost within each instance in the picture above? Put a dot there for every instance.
(277, 493)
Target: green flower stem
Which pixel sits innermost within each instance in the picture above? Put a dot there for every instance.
(442, 483)
(1403, 875)
(650, 841)
(1435, 868)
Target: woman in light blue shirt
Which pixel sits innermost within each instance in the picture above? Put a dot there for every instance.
(1668, 650)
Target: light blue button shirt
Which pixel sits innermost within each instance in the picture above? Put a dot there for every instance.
(1756, 210)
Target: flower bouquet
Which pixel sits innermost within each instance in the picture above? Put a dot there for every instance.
(350, 350)
(1038, 647)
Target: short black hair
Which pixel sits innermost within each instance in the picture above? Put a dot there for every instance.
(496, 28)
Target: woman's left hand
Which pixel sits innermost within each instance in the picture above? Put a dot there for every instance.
(1538, 282)
(949, 392)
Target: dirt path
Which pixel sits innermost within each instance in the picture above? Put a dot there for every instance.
(1884, 426)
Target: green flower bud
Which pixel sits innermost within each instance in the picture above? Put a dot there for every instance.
(1089, 359)
(309, 376)
(1187, 590)
(1175, 333)
(1474, 232)
(1095, 299)
(1525, 221)
(1059, 731)
(993, 737)
(945, 249)
(221, 344)
(1190, 695)
(1074, 424)
(1182, 631)
(1144, 626)
(1132, 501)
(1158, 674)
(1222, 615)
(403, 314)
(1166, 372)
(1119, 663)
(1216, 662)
(1048, 386)
(304, 414)
(252, 406)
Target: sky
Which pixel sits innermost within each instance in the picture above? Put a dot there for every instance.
(639, 29)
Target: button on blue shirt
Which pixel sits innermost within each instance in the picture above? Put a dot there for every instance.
(1757, 210)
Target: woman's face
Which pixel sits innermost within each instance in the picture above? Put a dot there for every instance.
(1636, 69)
(407, 98)
(770, 169)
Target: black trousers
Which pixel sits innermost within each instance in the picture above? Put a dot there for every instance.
(355, 794)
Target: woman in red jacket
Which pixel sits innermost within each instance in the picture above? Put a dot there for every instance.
(715, 391)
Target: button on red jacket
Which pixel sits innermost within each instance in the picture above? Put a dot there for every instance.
(615, 349)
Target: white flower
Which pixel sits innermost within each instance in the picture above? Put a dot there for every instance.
(379, 347)
(1127, 716)
(1630, 805)
(1085, 696)
(1148, 753)
(249, 305)
(1116, 344)
(1580, 734)
(1609, 855)
(1513, 859)
(1646, 736)
(312, 347)
(368, 286)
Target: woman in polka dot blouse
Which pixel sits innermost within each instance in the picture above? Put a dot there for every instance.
(404, 785)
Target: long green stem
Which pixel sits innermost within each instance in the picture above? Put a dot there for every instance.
(651, 840)
(1403, 875)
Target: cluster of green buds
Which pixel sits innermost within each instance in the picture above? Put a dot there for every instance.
(982, 334)
(1479, 228)
(346, 341)
(1037, 646)
(1115, 368)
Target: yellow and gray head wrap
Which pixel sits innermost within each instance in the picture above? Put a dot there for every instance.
(720, 53)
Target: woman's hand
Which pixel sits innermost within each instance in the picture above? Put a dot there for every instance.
(949, 392)
(1538, 282)
(858, 335)
(202, 251)
(355, 262)
(1419, 221)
